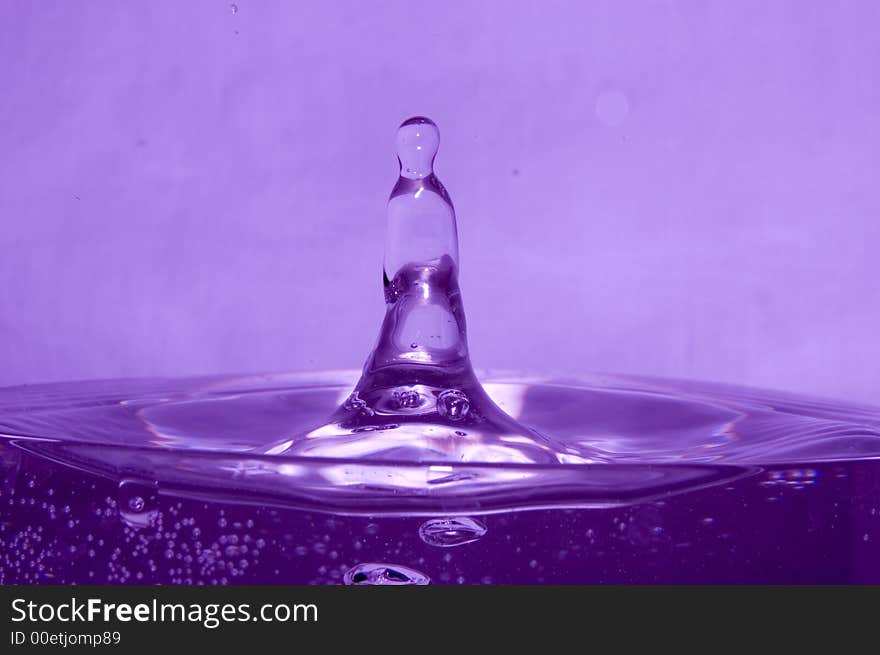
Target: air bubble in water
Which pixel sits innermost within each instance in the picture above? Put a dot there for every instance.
(449, 532)
(453, 404)
(373, 573)
(138, 503)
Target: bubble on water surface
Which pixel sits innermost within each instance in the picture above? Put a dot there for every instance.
(409, 399)
(453, 404)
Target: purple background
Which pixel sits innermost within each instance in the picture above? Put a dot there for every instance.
(673, 188)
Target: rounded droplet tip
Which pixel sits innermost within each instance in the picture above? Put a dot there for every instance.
(418, 120)
(417, 141)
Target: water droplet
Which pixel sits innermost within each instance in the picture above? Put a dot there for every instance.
(379, 574)
(138, 503)
(453, 404)
(422, 344)
(448, 532)
(417, 142)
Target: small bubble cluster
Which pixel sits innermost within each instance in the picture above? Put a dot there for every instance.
(791, 478)
(407, 399)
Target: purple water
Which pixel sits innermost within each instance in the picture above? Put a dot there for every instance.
(417, 473)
